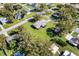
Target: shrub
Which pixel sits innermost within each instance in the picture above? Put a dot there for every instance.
(59, 41)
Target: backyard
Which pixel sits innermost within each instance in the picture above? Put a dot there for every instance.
(41, 33)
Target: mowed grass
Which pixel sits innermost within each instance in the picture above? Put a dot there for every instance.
(1, 53)
(41, 33)
(17, 20)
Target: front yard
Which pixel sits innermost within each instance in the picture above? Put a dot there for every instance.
(41, 33)
(17, 20)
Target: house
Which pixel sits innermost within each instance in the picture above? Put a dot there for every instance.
(56, 15)
(18, 16)
(3, 20)
(74, 40)
(67, 53)
(54, 48)
(57, 30)
(39, 24)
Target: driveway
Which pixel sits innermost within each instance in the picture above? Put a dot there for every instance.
(15, 26)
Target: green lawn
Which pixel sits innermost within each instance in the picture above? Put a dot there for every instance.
(74, 34)
(41, 33)
(17, 21)
(69, 47)
(1, 53)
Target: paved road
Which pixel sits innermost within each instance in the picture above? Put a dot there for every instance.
(14, 26)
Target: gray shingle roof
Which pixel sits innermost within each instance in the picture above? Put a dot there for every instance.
(18, 16)
(39, 24)
(3, 20)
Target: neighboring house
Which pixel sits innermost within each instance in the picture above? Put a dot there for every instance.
(67, 53)
(73, 40)
(18, 16)
(57, 30)
(54, 48)
(3, 20)
(39, 24)
(56, 15)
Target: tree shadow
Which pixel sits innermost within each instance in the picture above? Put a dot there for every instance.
(70, 44)
(55, 18)
(50, 32)
(32, 20)
(61, 53)
(14, 32)
(33, 27)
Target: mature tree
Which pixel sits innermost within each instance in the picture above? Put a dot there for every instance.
(2, 42)
(43, 7)
(68, 16)
(7, 13)
(27, 44)
(17, 6)
(8, 6)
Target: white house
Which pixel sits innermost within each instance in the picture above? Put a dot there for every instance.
(3, 20)
(67, 53)
(54, 48)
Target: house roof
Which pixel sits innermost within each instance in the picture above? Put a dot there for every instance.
(67, 53)
(38, 24)
(69, 36)
(54, 48)
(3, 20)
(74, 41)
(76, 30)
(18, 16)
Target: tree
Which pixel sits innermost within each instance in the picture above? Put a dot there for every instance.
(36, 18)
(17, 6)
(59, 41)
(13, 44)
(2, 42)
(68, 16)
(27, 45)
(7, 13)
(43, 7)
(8, 6)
